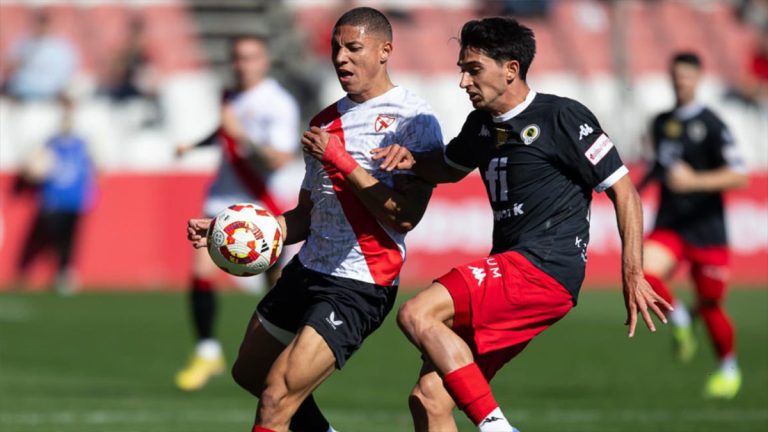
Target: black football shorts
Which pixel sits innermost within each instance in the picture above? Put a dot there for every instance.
(343, 311)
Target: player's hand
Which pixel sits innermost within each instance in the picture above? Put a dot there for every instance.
(181, 150)
(681, 178)
(315, 141)
(639, 297)
(394, 157)
(328, 148)
(196, 232)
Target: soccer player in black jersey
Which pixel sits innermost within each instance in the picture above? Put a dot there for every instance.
(540, 157)
(696, 160)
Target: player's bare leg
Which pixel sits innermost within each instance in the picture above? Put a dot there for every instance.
(305, 363)
(423, 320)
(208, 359)
(658, 265)
(258, 352)
(430, 404)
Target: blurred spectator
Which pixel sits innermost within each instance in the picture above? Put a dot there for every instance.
(40, 65)
(128, 72)
(65, 174)
(756, 86)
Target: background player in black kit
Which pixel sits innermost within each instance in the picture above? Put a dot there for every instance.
(540, 156)
(696, 160)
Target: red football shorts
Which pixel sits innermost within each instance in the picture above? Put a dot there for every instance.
(502, 302)
(709, 264)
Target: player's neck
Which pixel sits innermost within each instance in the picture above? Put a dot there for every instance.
(682, 103)
(511, 99)
(381, 86)
(249, 83)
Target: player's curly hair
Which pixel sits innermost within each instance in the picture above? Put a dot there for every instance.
(502, 39)
(367, 17)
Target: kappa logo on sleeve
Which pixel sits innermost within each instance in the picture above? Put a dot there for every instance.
(584, 131)
(597, 151)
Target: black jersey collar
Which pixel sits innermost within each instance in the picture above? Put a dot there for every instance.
(509, 115)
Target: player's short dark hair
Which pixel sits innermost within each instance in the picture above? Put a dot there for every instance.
(687, 57)
(502, 39)
(369, 18)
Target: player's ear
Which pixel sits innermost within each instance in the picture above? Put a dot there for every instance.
(512, 69)
(385, 51)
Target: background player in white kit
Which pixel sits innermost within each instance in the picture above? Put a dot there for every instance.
(258, 135)
(354, 217)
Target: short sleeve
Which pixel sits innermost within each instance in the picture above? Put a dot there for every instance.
(588, 150)
(459, 153)
(728, 150)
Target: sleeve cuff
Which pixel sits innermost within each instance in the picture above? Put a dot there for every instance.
(612, 179)
(453, 164)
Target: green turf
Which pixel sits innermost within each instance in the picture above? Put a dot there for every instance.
(104, 362)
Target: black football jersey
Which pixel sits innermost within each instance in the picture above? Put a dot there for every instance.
(540, 163)
(696, 136)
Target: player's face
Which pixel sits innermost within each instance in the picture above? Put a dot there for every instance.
(250, 61)
(685, 79)
(360, 59)
(484, 80)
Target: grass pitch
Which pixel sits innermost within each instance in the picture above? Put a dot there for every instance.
(105, 362)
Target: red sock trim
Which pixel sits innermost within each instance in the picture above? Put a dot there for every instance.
(201, 284)
(471, 392)
(660, 287)
(258, 428)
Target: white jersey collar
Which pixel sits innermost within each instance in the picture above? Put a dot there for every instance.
(509, 115)
(689, 111)
(346, 103)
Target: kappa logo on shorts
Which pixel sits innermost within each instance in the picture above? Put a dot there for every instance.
(331, 320)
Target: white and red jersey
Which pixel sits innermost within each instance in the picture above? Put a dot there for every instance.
(345, 239)
(269, 116)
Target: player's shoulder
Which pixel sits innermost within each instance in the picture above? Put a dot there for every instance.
(711, 118)
(559, 104)
(326, 115)
(409, 102)
(663, 117)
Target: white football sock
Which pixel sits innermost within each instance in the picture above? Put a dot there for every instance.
(495, 422)
(729, 366)
(680, 316)
(209, 349)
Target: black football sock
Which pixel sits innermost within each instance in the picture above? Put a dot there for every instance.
(203, 302)
(308, 418)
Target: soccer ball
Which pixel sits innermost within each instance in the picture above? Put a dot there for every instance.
(244, 240)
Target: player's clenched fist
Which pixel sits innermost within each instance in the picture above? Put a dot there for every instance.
(394, 157)
(197, 230)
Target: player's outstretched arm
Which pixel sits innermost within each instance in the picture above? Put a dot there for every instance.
(639, 297)
(681, 178)
(295, 222)
(400, 208)
(430, 166)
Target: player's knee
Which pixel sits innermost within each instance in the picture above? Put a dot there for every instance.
(244, 377)
(410, 318)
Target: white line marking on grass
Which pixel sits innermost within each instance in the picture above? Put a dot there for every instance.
(15, 311)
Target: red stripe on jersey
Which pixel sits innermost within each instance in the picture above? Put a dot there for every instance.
(248, 177)
(381, 252)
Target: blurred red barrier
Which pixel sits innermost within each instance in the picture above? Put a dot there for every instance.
(135, 237)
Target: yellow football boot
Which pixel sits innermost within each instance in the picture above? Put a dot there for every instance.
(198, 372)
(723, 385)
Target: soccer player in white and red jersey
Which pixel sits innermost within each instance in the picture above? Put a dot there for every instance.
(541, 156)
(353, 218)
(696, 162)
(258, 136)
